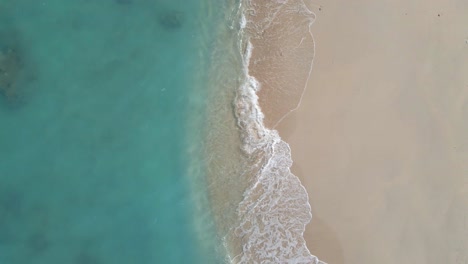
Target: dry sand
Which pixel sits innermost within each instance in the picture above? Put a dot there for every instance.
(381, 138)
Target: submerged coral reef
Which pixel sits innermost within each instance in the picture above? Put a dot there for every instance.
(9, 68)
(171, 19)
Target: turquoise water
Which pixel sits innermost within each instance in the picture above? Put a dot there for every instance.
(93, 130)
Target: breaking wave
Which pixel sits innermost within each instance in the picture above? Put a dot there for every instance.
(274, 209)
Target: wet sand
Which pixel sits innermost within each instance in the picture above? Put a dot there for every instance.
(381, 137)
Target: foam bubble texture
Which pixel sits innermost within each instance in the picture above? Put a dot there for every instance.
(275, 209)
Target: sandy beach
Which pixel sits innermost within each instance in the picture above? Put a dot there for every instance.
(380, 138)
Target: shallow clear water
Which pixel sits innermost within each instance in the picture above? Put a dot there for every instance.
(93, 132)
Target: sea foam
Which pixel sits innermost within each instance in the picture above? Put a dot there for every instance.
(275, 208)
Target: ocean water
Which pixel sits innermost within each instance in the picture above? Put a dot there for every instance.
(101, 113)
(142, 131)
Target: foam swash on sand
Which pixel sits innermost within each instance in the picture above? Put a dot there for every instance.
(275, 208)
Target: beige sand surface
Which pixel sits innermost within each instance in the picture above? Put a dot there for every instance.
(381, 137)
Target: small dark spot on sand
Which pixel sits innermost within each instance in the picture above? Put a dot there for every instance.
(171, 19)
(438, 15)
(320, 8)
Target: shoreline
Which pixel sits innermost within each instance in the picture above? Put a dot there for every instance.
(275, 208)
(259, 206)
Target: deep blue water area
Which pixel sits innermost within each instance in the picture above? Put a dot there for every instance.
(95, 98)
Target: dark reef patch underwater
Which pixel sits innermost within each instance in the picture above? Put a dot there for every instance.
(97, 107)
(171, 19)
(11, 67)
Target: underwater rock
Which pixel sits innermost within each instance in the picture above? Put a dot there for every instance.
(38, 242)
(171, 19)
(9, 68)
(11, 203)
(123, 2)
(85, 258)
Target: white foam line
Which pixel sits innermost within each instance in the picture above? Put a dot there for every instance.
(257, 138)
